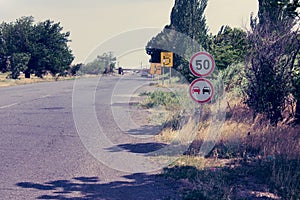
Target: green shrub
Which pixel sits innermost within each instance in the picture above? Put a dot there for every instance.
(168, 100)
(234, 78)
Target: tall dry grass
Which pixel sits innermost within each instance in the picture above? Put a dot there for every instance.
(251, 150)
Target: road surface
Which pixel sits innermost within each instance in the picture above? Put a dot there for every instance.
(43, 156)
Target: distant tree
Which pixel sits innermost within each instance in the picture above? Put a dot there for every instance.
(75, 68)
(105, 62)
(108, 60)
(187, 18)
(94, 67)
(274, 46)
(2, 51)
(229, 46)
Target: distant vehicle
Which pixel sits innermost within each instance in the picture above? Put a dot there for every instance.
(120, 71)
(206, 90)
(144, 73)
(196, 89)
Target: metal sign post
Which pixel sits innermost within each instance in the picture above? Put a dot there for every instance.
(163, 73)
(170, 76)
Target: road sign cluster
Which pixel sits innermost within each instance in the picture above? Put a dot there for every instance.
(166, 61)
(202, 65)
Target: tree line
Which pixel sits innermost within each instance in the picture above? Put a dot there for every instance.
(34, 48)
(41, 48)
(102, 64)
(269, 51)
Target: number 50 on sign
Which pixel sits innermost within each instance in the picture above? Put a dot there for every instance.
(202, 64)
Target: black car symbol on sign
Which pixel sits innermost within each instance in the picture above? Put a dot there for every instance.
(206, 90)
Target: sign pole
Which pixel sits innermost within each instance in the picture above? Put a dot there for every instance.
(163, 74)
(170, 76)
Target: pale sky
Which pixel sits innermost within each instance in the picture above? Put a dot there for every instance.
(92, 22)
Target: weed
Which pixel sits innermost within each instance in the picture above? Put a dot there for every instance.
(252, 160)
(160, 98)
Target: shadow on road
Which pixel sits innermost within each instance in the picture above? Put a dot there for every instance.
(138, 148)
(150, 130)
(138, 186)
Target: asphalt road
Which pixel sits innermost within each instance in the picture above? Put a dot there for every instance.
(44, 157)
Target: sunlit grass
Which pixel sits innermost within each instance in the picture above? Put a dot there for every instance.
(249, 155)
(5, 81)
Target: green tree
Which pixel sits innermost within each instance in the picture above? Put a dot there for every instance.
(75, 68)
(19, 62)
(274, 46)
(103, 63)
(2, 51)
(229, 46)
(44, 42)
(16, 38)
(108, 60)
(50, 50)
(296, 86)
(187, 18)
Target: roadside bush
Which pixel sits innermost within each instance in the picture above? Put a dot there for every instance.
(173, 105)
(93, 68)
(234, 78)
(176, 121)
(168, 100)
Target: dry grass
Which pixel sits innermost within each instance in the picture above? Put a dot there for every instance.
(4, 81)
(251, 159)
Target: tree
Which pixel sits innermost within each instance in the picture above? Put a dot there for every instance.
(44, 43)
(19, 62)
(2, 51)
(16, 38)
(50, 50)
(296, 86)
(187, 17)
(103, 63)
(108, 60)
(274, 46)
(229, 46)
(75, 68)
(187, 28)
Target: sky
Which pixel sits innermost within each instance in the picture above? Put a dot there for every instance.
(93, 22)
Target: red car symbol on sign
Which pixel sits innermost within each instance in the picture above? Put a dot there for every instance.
(201, 90)
(196, 89)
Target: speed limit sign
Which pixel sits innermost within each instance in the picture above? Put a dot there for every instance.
(202, 64)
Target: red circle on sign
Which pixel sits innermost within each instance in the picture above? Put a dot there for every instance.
(211, 87)
(211, 60)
